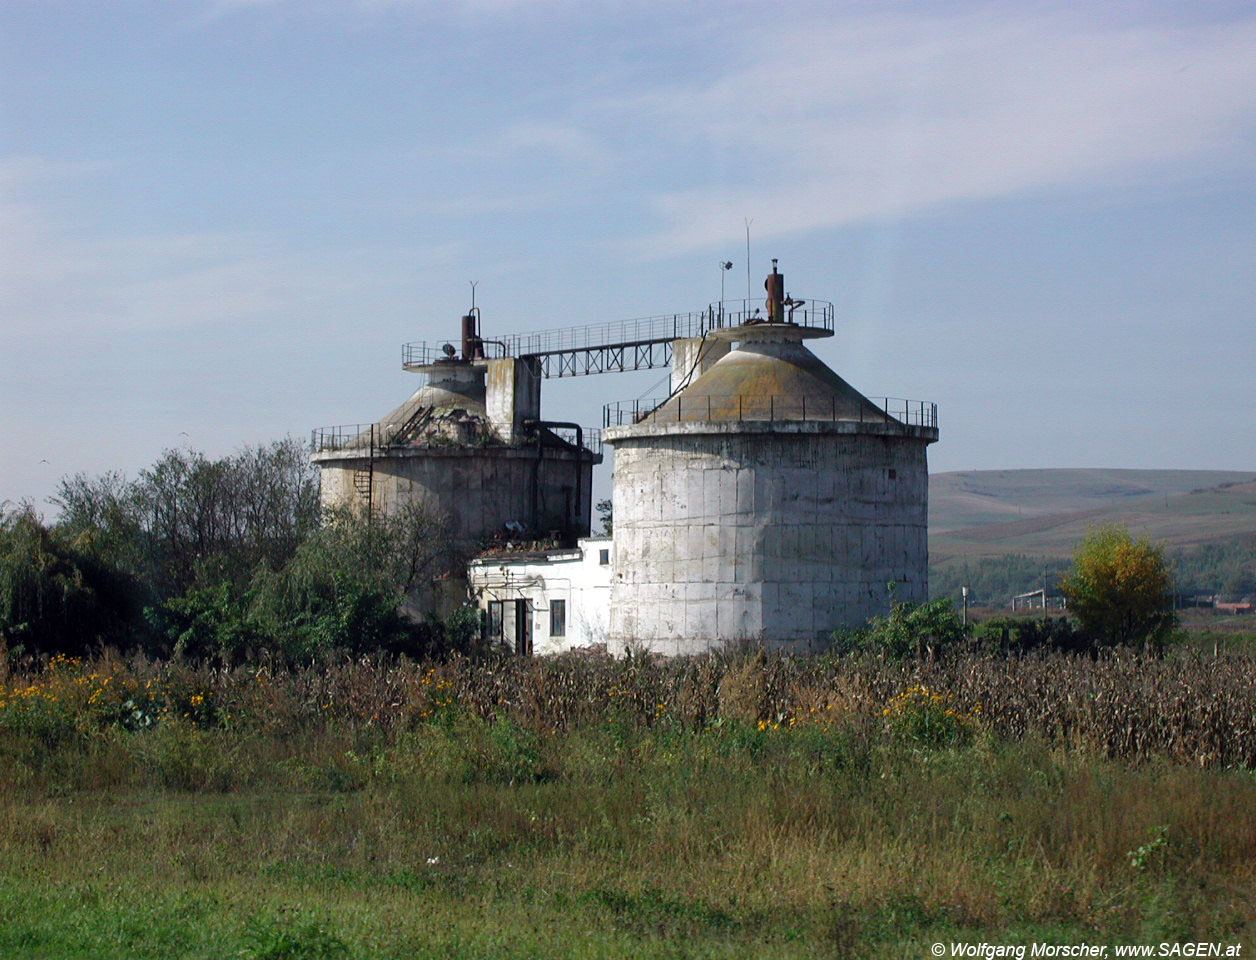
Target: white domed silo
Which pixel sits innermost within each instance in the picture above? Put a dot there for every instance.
(767, 501)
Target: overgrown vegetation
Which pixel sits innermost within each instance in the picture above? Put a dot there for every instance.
(189, 521)
(342, 590)
(910, 629)
(225, 560)
(57, 593)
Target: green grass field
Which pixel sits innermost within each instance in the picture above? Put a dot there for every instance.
(577, 808)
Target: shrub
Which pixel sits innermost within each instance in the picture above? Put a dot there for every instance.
(344, 587)
(223, 560)
(460, 631)
(910, 629)
(208, 623)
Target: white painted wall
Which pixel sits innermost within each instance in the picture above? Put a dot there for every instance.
(576, 576)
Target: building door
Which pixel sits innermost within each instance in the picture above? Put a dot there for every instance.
(523, 628)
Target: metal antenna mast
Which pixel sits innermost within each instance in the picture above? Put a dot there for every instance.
(749, 288)
(725, 266)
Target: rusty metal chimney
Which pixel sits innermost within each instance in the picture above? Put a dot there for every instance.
(472, 346)
(775, 286)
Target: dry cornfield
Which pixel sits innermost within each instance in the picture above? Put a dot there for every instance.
(1187, 707)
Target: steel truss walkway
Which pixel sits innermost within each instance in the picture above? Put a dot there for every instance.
(623, 345)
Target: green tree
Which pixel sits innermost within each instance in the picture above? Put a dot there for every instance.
(358, 583)
(57, 597)
(1121, 589)
(189, 521)
(606, 513)
(206, 623)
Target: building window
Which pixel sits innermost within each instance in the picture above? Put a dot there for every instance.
(558, 618)
(604, 557)
(495, 618)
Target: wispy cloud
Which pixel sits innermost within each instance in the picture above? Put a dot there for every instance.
(817, 119)
(882, 116)
(214, 10)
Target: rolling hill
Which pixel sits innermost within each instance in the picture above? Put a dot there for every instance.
(1012, 530)
(972, 498)
(988, 513)
(1180, 522)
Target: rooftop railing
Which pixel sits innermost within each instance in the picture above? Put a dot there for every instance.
(422, 353)
(813, 314)
(368, 439)
(591, 438)
(917, 413)
(349, 436)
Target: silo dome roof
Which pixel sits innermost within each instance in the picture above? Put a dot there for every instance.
(770, 376)
(449, 408)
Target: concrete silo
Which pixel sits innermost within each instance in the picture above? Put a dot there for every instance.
(766, 499)
(470, 445)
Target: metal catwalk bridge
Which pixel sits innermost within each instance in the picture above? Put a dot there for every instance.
(622, 345)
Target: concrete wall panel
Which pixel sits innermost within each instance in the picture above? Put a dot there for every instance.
(477, 490)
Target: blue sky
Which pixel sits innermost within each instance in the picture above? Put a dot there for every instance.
(219, 219)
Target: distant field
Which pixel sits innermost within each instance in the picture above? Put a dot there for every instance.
(1045, 512)
(969, 498)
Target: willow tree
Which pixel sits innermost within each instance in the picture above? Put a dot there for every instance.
(1121, 589)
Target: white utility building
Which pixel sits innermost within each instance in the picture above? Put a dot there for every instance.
(545, 601)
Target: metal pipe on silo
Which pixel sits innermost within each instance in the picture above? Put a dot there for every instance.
(573, 518)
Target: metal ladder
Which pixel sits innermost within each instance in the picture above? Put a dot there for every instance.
(364, 477)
